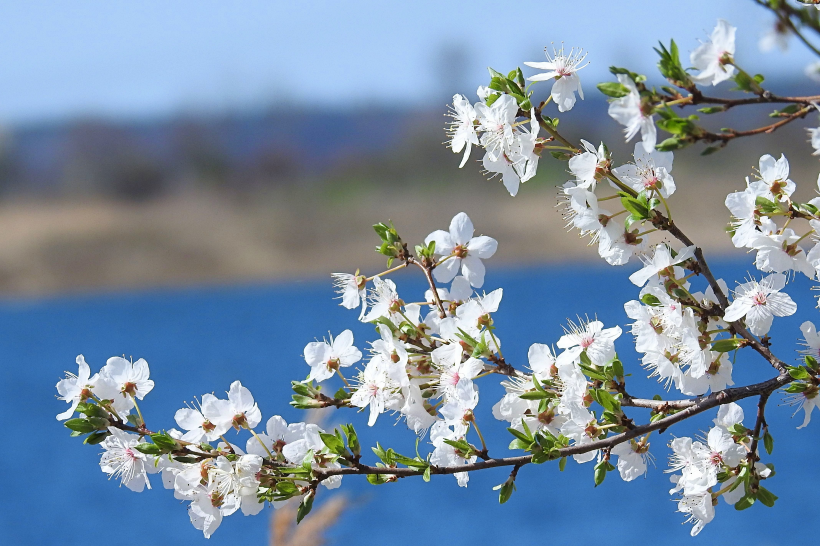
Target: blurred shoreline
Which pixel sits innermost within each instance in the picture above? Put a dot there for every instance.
(273, 196)
(69, 247)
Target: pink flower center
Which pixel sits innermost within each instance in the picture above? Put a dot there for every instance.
(716, 458)
(759, 299)
(130, 454)
(587, 341)
(453, 378)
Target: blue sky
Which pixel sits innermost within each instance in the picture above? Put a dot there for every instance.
(149, 58)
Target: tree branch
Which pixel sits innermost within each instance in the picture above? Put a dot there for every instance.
(713, 400)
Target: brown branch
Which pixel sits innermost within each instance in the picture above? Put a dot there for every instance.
(667, 225)
(725, 137)
(428, 273)
(766, 98)
(759, 424)
(713, 400)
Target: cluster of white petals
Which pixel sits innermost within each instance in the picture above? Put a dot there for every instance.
(509, 148)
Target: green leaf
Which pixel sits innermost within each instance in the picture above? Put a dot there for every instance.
(712, 109)
(796, 387)
(304, 402)
(164, 441)
(333, 443)
(600, 472)
(535, 395)
(148, 449)
(82, 426)
(726, 345)
(528, 439)
(634, 206)
(562, 464)
(765, 496)
(670, 144)
(520, 444)
(96, 437)
(506, 490)
(745, 502)
(426, 475)
(810, 362)
(799, 372)
(540, 457)
(606, 400)
(305, 506)
(342, 394)
(352, 440)
(613, 89)
(768, 442)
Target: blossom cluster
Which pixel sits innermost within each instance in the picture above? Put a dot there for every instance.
(216, 481)
(430, 353)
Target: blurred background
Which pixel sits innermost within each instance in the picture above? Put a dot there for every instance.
(182, 177)
(158, 144)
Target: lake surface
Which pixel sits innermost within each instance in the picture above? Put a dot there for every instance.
(199, 340)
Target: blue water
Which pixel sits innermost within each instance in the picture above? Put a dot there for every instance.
(199, 340)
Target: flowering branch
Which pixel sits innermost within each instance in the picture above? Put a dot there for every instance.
(426, 366)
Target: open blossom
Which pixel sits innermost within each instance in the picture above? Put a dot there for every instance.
(240, 411)
(198, 425)
(661, 260)
(632, 457)
(519, 161)
(588, 166)
(811, 340)
(780, 253)
(649, 173)
(774, 183)
(384, 301)
(460, 405)
(461, 251)
(814, 138)
(563, 68)
(75, 389)
(376, 390)
(714, 58)
(130, 379)
(590, 337)
(462, 131)
(121, 460)
(760, 302)
(496, 125)
(351, 290)
(446, 455)
(630, 112)
(325, 358)
(230, 486)
(700, 509)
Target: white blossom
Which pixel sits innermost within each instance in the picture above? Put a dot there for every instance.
(563, 68)
(714, 58)
(759, 302)
(587, 166)
(75, 389)
(462, 131)
(649, 173)
(121, 460)
(351, 290)
(631, 112)
(325, 358)
(461, 251)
